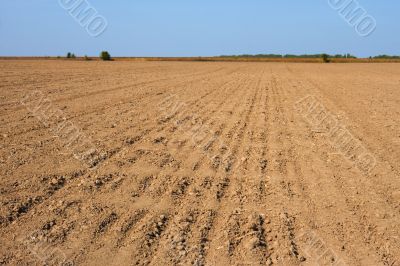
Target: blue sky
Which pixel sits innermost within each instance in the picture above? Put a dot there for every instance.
(196, 28)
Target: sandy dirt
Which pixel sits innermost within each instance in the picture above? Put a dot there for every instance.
(201, 163)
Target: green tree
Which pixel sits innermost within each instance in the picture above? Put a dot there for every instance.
(69, 55)
(325, 58)
(105, 56)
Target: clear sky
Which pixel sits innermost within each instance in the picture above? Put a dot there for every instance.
(196, 28)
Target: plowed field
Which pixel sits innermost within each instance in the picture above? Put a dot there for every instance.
(199, 163)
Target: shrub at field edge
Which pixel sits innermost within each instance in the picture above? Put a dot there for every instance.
(105, 56)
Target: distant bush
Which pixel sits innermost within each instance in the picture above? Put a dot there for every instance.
(325, 58)
(105, 56)
(87, 58)
(71, 55)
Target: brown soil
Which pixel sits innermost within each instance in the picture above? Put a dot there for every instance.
(198, 163)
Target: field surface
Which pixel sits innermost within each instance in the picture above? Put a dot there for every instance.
(199, 163)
